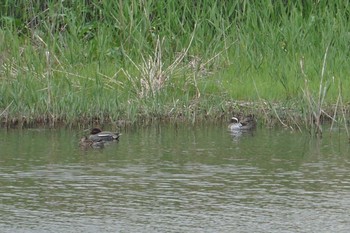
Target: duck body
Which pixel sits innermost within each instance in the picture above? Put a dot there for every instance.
(97, 135)
(248, 122)
(85, 142)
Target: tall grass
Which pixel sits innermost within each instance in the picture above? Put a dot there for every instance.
(100, 61)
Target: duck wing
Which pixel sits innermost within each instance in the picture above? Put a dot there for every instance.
(104, 136)
(96, 138)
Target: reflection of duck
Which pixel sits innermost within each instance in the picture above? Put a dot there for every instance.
(246, 123)
(97, 135)
(86, 143)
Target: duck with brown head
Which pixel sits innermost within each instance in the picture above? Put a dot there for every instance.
(248, 122)
(87, 143)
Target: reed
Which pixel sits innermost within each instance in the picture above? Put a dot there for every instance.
(340, 104)
(82, 62)
(315, 106)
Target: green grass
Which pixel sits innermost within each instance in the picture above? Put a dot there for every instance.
(106, 60)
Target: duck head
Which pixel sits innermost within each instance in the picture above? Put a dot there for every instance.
(95, 131)
(234, 120)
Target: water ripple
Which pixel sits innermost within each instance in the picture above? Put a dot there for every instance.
(213, 185)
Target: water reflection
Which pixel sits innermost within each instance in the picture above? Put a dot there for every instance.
(167, 179)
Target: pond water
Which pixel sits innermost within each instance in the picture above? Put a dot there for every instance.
(175, 179)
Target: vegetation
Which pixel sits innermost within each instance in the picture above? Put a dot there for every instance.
(98, 60)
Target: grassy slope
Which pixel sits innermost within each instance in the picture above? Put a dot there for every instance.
(116, 60)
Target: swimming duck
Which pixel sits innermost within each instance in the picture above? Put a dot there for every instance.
(86, 143)
(234, 125)
(97, 135)
(246, 123)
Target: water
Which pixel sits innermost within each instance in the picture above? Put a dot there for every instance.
(167, 179)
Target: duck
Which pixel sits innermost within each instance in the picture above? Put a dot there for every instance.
(235, 124)
(97, 135)
(246, 123)
(85, 142)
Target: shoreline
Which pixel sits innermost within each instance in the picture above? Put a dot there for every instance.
(267, 115)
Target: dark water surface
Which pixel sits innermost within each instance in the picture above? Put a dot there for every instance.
(167, 179)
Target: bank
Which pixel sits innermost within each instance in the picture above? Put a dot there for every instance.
(85, 63)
